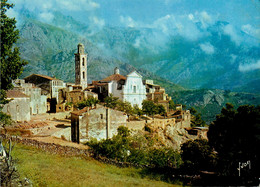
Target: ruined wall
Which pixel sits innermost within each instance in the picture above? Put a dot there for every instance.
(100, 123)
(184, 122)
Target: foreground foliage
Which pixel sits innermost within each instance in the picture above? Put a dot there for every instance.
(197, 155)
(11, 63)
(235, 135)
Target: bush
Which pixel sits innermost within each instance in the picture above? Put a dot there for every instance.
(197, 155)
(136, 149)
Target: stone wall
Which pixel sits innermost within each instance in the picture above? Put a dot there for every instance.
(75, 96)
(19, 109)
(51, 147)
(184, 122)
(101, 123)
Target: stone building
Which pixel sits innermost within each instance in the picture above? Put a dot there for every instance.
(99, 122)
(81, 67)
(49, 87)
(129, 88)
(157, 94)
(19, 106)
(38, 102)
(72, 94)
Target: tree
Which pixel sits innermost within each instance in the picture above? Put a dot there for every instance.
(11, 63)
(197, 155)
(137, 110)
(111, 101)
(196, 120)
(160, 109)
(149, 107)
(172, 105)
(89, 102)
(125, 107)
(235, 135)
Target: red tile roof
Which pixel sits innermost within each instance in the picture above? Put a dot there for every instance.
(114, 77)
(43, 76)
(15, 94)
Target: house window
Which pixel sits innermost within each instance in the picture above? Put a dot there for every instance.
(79, 97)
(101, 116)
(134, 90)
(83, 61)
(71, 99)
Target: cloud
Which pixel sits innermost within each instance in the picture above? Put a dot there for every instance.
(207, 48)
(77, 5)
(97, 21)
(250, 30)
(234, 36)
(128, 21)
(205, 19)
(249, 67)
(46, 16)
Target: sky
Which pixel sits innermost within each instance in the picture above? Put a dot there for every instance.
(146, 12)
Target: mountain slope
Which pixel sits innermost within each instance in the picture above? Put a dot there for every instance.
(50, 50)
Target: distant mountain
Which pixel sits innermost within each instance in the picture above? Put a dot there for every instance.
(212, 61)
(50, 50)
(209, 102)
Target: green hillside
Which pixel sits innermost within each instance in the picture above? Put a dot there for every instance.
(210, 102)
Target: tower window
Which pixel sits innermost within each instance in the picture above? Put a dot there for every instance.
(83, 75)
(101, 116)
(83, 61)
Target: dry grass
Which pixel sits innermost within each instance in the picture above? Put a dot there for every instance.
(45, 169)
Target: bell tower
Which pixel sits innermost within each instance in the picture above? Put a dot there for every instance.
(81, 67)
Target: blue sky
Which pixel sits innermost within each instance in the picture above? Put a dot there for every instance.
(165, 16)
(237, 12)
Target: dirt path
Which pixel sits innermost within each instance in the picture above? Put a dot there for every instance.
(49, 128)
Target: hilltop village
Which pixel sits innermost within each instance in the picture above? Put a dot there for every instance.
(40, 95)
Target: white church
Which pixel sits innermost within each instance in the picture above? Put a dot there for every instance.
(129, 88)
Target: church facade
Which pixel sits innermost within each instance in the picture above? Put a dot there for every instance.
(130, 88)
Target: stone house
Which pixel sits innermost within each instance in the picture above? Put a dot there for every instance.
(157, 94)
(98, 122)
(72, 94)
(129, 88)
(19, 106)
(49, 87)
(38, 102)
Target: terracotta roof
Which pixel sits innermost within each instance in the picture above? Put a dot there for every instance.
(114, 77)
(43, 76)
(15, 94)
(97, 83)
